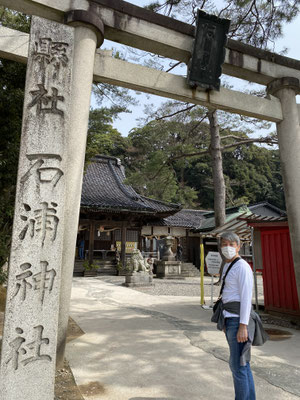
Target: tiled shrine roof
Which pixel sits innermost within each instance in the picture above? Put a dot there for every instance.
(233, 214)
(104, 190)
(185, 218)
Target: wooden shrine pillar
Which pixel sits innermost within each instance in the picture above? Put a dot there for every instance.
(187, 246)
(151, 240)
(91, 241)
(141, 241)
(123, 245)
(113, 237)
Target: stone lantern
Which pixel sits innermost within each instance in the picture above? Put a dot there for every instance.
(168, 255)
(168, 267)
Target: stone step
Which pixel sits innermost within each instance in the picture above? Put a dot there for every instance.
(189, 270)
(78, 263)
(107, 271)
(106, 267)
(190, 273)
(104, 263)
(188, 265)
(78, 268)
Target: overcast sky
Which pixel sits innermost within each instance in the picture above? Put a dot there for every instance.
(290, 40)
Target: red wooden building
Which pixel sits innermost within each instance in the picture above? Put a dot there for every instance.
(273, 251)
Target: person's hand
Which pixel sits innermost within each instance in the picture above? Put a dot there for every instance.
(242, 334)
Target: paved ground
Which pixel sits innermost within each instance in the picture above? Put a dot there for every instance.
(139, 346)
(187, 287)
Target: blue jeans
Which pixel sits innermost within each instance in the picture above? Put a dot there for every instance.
(242, 375)
(81, 253)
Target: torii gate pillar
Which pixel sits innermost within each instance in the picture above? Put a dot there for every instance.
(288, 131)
(89, 34)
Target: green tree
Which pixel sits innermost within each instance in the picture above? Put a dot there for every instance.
(155, 165)
(170, 159)
(102, 137)
(254, 175)
(256, 22)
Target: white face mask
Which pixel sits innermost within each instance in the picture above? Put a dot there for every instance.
(228, 252)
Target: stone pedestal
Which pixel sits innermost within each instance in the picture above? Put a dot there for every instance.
(140, 278)
(169, 270)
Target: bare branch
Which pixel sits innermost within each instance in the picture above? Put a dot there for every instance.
(244, 18)
(197, 124)
(231, 137)
(174, 66)
(175, 113)
(228, 146)
(159, 170)
(247, 141)
(198, 153)
(223, 9)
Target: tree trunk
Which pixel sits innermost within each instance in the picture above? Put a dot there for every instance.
(217, 169)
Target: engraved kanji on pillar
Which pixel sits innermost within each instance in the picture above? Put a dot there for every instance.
(31, 317)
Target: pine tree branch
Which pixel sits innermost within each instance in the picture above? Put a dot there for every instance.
(175, 113)
(247, 141)
(232, 137)
(196, 125)
(244, 18)
(228, 146)
(198, 153)
(174, 66)
(158, 171)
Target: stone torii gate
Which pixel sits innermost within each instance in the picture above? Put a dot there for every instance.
(62, 64)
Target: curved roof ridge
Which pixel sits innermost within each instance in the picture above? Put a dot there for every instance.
(195, 210)
(99, 157)
(268, 204)
(121, 185)
(162, 202)
(104, 189)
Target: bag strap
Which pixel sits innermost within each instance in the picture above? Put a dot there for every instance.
(228, 269)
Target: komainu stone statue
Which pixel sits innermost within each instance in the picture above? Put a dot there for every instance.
(137, 262)
(140, 271)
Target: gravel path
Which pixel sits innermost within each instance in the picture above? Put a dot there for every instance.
(179, 287)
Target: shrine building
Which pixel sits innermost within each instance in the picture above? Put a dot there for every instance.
(115, 220)
(112, 215)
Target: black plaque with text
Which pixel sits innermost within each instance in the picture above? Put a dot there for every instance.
(209, 51)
